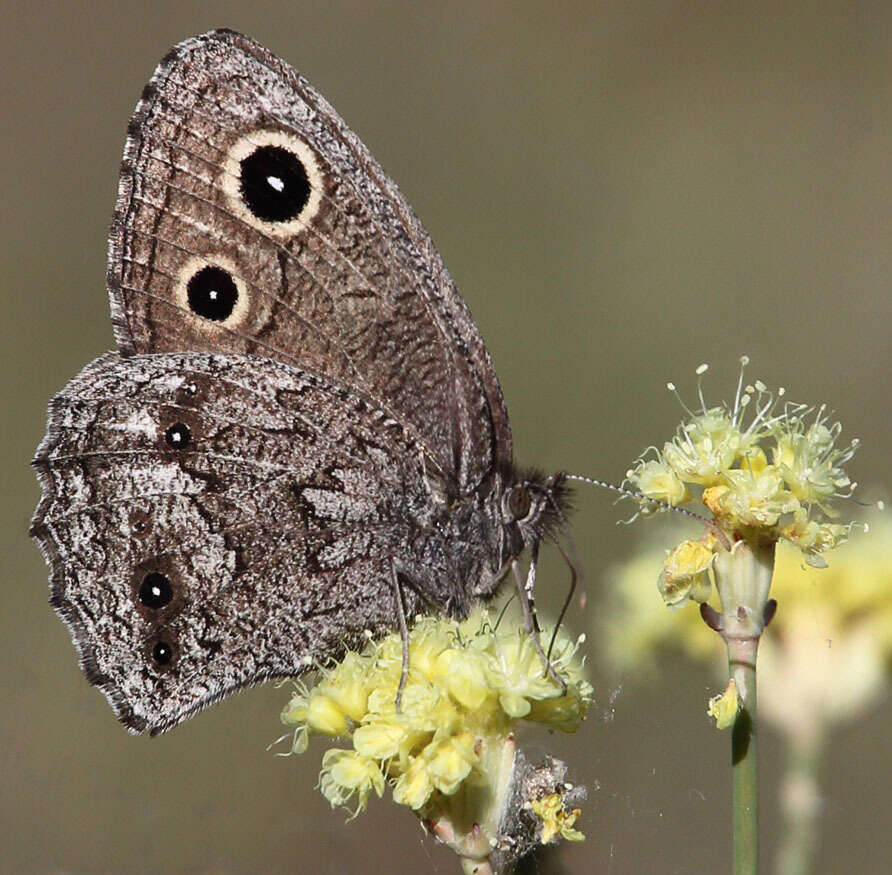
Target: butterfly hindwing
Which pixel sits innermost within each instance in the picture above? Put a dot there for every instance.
(212, 521)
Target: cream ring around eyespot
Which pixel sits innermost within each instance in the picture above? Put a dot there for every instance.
(191, 268)
(231, 179)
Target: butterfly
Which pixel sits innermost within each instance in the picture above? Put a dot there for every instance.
(301, 435)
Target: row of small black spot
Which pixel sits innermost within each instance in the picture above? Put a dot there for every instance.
(156, 592)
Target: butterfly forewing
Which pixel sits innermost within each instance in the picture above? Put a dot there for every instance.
(250, 219)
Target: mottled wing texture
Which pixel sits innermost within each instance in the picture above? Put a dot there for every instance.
(250, 219)
(212, 521)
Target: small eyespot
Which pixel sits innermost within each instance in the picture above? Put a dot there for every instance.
(273, 184)
(212, 293)
(178, 435)
(139, 521)
(155, 591)
(189, 394)
(519, 502)
(162, 653)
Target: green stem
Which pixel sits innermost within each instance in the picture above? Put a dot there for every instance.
(744, 758)
(743, 578)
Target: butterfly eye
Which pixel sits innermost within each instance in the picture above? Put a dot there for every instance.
(273, 184)
(212, 293)
(519, 502)
(155, 591)
(162, 653)
(178, 435)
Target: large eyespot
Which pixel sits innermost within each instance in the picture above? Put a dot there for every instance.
(155, 591)
(273, 182)
(211, 289)
(178, 435)
(519, 502)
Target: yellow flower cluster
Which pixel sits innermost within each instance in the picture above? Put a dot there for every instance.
(827, 653)
(468, 684)
(773, 471)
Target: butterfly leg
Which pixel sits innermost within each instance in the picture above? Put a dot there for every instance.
(575, 577)
(531, 623)
(404, 634)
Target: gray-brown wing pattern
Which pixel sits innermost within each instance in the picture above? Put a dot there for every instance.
(214, 520)
(250, 219)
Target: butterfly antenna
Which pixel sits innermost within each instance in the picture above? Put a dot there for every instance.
(633, 493)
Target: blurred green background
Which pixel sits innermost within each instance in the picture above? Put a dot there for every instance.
(622, 191)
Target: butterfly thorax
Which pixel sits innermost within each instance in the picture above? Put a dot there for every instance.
(463, 551)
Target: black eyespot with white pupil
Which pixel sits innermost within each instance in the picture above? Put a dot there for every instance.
(273, 184)
(155, 591)
(519, 502)
(212, 293)
(178, 435)
(162, 653)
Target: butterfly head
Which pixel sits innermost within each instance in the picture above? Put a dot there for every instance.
(534, 505)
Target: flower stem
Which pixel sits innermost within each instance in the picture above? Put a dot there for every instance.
(744, 759)
(743, 578)
(469, 821)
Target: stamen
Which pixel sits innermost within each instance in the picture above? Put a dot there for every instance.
(701, 370)
(744, 361)
(671, 387)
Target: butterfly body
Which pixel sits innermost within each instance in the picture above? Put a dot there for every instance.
(302, 418)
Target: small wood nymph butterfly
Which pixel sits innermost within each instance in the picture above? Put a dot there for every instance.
(301, 436)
